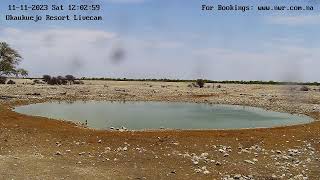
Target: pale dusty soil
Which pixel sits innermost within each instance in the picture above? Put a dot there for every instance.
(39, 148)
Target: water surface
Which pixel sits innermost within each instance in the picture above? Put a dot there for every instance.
(155, 115)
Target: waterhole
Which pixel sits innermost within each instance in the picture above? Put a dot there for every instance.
(158, 115)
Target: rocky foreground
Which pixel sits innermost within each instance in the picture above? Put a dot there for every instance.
(38, 148)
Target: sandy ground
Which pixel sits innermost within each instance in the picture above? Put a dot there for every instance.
(39, 148)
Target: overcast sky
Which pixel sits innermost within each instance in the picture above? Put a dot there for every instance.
(171, 39)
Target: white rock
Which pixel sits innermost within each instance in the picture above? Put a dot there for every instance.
(206, 172)
(248, 161)
(204, 155)
(237, 176)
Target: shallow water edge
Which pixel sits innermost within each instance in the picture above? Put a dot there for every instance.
(246, 112)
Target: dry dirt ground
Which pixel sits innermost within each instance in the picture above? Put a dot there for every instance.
(40, 148)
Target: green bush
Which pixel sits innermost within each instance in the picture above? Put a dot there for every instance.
(200, 83)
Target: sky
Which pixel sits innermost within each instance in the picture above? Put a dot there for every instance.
(170, 39)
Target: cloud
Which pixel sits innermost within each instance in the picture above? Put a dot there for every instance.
(294, 20)
(275, 62)
(59, 50)
(89, 52)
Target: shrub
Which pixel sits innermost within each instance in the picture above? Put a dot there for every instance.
(3, 80)
(70, 78)
(304, 88)
(200, 83)
(78, 82)
(46, 78)
(53, 81)
(11, 82)
(62, 80)
(219, 86)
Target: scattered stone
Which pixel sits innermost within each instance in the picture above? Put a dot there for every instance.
(204, 169)
(195, 162)
(274, 176)
(245, 151)
(237, 176)
(204, 155)
(248, 161)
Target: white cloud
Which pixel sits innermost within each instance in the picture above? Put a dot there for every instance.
(294, 20)
(276, 62)
(59, 50)
(87, 52)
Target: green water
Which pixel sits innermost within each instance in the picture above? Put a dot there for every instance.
(155, 115)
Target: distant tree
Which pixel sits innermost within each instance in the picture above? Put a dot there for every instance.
(46, 78)
(70, 78)
(200, 83)
(9, 60)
